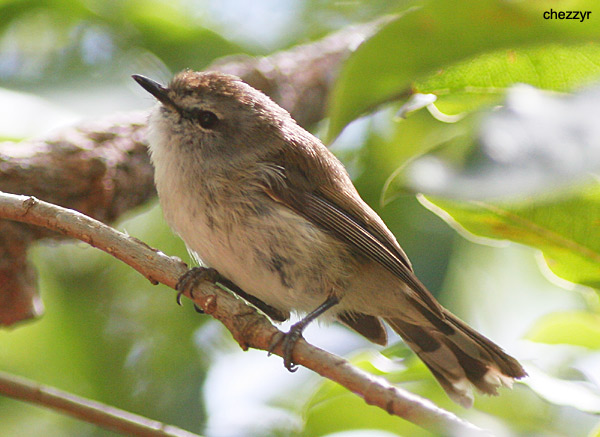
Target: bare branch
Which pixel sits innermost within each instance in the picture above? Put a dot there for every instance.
(94, 412)
(248, 327)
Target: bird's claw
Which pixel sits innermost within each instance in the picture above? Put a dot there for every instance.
(193, 277)
(288, 341)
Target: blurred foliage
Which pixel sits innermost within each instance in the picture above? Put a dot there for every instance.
(109, 335)
(83, 38)
(557, 328)
(431, 37)
(563, 227)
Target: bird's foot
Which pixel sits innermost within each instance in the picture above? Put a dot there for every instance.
(288, 341)
(192, 278)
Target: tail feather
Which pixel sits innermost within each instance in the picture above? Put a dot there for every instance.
(459, 357)
(370, 327)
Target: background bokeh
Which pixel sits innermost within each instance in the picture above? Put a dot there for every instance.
(109, 335)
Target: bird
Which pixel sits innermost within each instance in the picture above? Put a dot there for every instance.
(264, 204)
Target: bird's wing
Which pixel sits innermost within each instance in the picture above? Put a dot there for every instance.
(335, 207)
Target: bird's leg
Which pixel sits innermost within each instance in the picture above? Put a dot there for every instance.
(194, 276)
(289, 339)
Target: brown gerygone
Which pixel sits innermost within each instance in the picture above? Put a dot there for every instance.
(256, 197)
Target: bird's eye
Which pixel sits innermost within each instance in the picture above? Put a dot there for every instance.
(206, 119)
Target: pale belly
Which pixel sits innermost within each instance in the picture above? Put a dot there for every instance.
(275, 255)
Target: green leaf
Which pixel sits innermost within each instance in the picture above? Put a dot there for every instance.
(484, 79)
(335, 409)
(345, 411)
(577, 328)
(425, 40)
(565, 228)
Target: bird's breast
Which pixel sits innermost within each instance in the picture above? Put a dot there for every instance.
(264, 247)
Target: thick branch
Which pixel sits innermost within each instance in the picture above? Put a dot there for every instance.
(102, 168)
(248, 327)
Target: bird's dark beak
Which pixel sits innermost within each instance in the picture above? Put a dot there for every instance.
(154, 88)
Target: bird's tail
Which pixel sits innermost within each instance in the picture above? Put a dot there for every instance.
(458, 356)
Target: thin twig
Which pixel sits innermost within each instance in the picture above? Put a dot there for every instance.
(248, 327)
(91, 411)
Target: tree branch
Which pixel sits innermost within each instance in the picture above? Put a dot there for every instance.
(102, 168)
(94, 412)
(248, 327)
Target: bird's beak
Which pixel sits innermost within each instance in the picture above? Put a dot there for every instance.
(154, 88)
